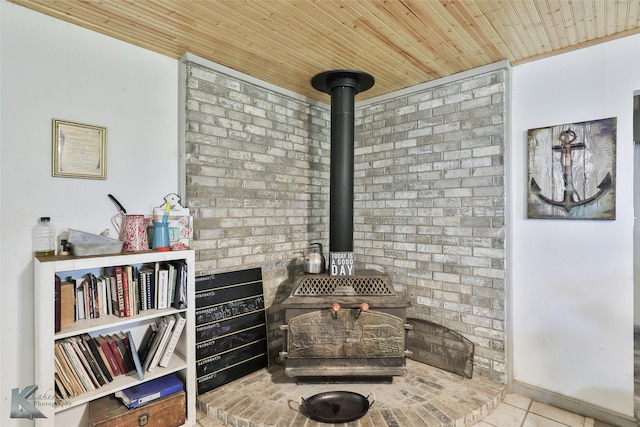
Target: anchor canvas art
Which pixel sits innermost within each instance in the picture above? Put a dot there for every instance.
(572, 171)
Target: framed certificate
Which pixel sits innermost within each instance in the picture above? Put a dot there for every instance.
(79, 150)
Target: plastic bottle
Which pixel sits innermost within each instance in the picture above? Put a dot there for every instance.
(44, 237)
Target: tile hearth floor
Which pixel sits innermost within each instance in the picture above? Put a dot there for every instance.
(426, 397)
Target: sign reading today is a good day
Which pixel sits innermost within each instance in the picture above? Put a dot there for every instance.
(341, 263)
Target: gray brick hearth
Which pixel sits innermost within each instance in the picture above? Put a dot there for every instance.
(425, 397)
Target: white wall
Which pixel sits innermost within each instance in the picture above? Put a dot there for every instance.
(51, 69)
(572, 284)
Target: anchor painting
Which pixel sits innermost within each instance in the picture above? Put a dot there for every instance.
(572, 171)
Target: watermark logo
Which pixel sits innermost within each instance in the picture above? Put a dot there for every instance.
(23, 408)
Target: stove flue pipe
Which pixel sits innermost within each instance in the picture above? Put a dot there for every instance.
(342, 85)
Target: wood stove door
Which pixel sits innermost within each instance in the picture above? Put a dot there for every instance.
(346, 334)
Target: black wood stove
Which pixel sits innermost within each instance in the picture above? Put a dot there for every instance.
(345, 326)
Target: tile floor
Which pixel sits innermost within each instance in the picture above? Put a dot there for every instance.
(519, 411)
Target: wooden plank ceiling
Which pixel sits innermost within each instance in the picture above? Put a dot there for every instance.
(401, 42)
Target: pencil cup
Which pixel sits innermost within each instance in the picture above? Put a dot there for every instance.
(161, 236)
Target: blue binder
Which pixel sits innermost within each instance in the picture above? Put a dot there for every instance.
(149, 391)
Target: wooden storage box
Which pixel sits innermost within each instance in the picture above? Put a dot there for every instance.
(109, 411)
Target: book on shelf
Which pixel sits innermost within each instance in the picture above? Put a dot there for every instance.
(160, 327)
(101, 361)
(109, 285)
(89, 303)
(67, 302)
(147, 287)
(122, 279)
(70, 369)
(64, 380)
(61, 387)
(135, 356)
(131, 311)
(118, 294)
(105, 359)
(180, 289)
(162, 285)
(91, 371)
(104, 345)
(142, 288)
(57, 298)
(117, 353)
(171, 286)
(147, 340)
(164, 326)
(102, 296)
(151, 289)
(136, 289)
(61, 391)
(173, 340)
(63, 367)
(84, 290)
(132, 281)
(76, 365)
(113, 298)
(90, 364)
(149, 391)
(125, 349)
(87, 292)
(170, 321)
(94, 299)
(80, 304)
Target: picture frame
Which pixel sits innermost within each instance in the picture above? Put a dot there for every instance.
(572, 171)
(79, 150)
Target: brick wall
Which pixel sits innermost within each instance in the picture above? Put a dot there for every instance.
(430, 205)
(257, 173)
(429, 194)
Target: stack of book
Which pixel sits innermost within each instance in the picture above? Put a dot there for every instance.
(84, 363)
(123, 291)
(160, 342)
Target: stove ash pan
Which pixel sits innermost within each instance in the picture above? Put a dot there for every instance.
(345, 326)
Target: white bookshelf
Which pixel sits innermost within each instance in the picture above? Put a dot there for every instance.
(74, 411)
